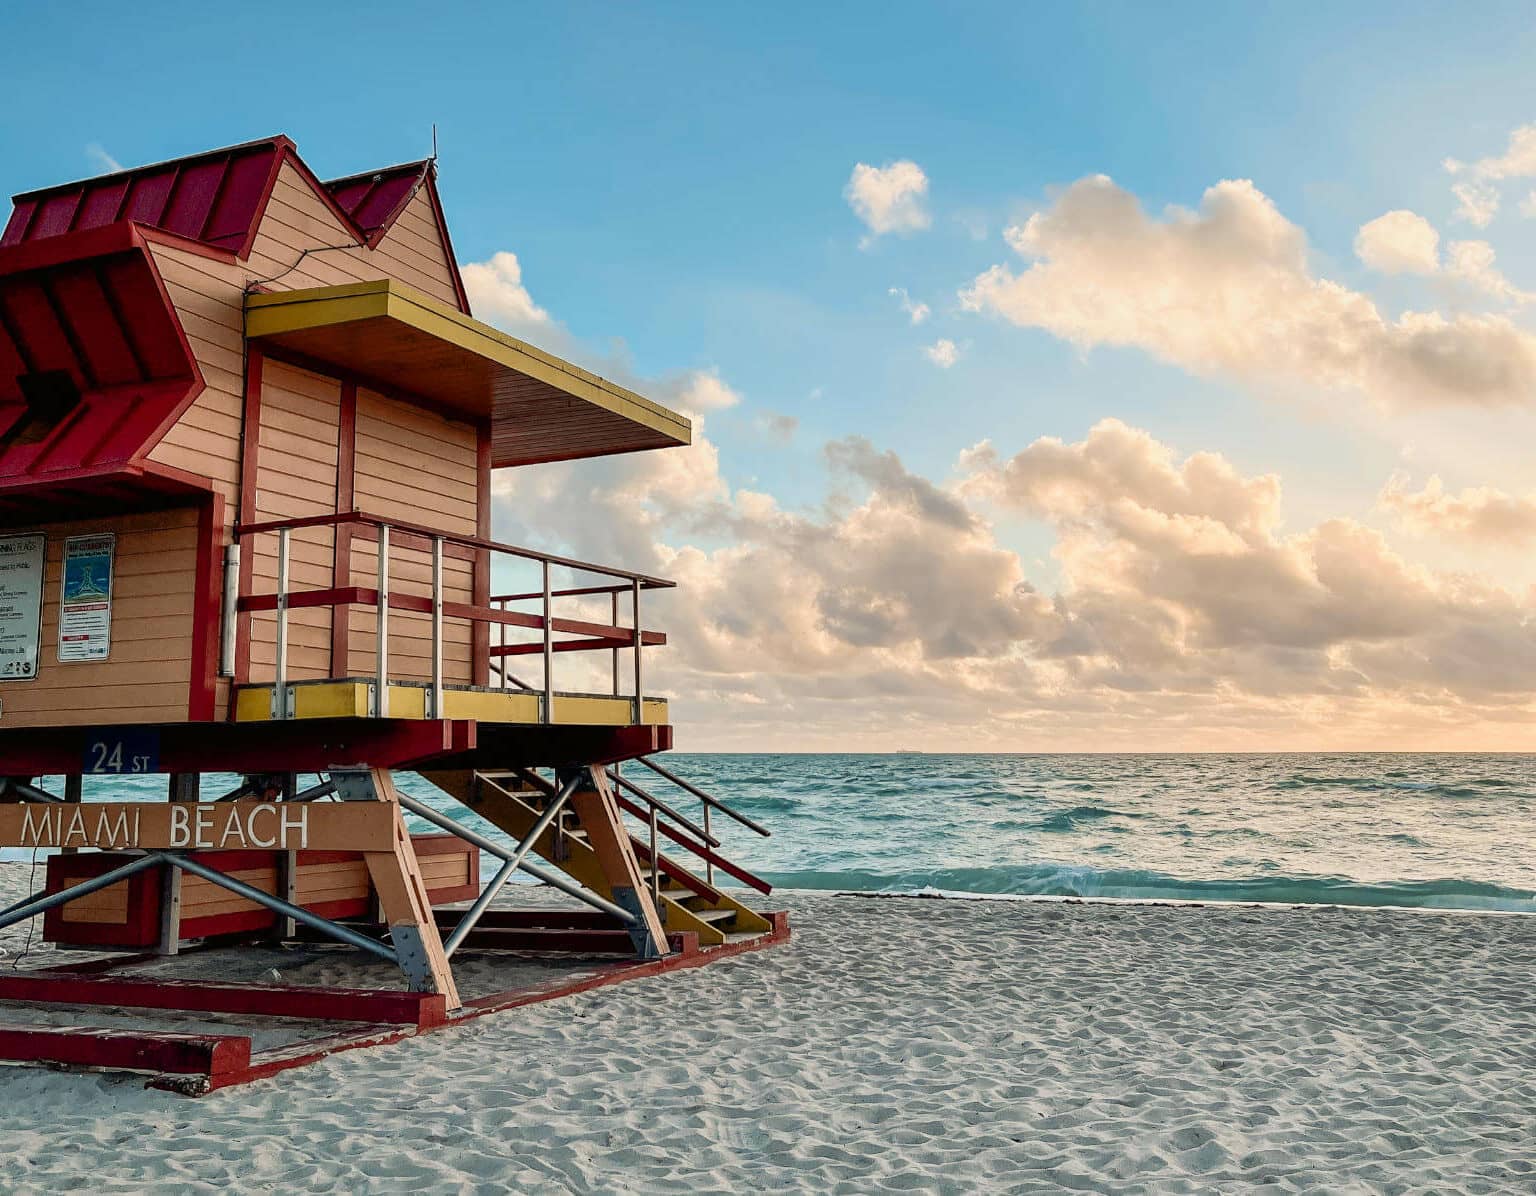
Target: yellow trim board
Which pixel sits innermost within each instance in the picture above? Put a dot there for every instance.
(349, 699)
(279, 312)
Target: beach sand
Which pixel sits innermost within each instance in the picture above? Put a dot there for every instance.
(897, 1045)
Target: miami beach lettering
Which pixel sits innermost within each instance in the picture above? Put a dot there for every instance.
(201, 826)
(261, 824)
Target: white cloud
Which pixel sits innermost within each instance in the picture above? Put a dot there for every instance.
(103, 159)
(497, 295)
(916, 312)
(1228, 290)
(1401, 242)
(943, 353)
(1479, 514)
(1471, 262)
(1477, 193)
(1186, 615)
(890, 198)
(703, 390)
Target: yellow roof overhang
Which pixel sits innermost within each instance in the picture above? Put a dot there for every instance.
(540, 408)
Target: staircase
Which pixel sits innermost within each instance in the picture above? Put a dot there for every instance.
(687, 901)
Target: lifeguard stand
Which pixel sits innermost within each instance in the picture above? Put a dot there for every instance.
(247, 434)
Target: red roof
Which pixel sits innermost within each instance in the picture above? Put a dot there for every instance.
(217, 198)
(375, 198)
(94, 367)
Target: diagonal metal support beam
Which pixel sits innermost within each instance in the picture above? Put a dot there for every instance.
(482, 903)
(32, 906)
(548, 876)
(298, 913)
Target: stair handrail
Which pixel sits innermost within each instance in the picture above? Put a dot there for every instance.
(656, 803)
(714, 802)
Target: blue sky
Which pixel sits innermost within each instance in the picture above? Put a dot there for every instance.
(671, 179)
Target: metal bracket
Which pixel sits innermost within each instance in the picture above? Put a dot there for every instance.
(373, 699)
(646, 946)
(412, 955)
(353, 784)
(281, 705)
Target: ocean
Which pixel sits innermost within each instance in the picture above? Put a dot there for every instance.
(1430, 830)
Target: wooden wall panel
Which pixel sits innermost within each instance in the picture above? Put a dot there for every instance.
(295, 478)
(145, 679)
(418, 467)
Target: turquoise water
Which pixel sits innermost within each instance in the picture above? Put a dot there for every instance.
(1448, 831)
(1453, 831)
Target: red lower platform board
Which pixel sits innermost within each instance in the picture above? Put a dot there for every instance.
(333, 884)
(322, 1021)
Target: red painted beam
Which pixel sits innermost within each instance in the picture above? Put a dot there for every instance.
(302, 745)
(130, 1050)
(328, 1004)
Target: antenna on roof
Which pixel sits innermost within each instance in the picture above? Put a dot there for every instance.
(434, 143)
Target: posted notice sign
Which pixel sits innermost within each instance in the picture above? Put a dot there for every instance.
(21, 605)
(85, 605)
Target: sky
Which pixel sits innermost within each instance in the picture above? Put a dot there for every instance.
(1096, 377)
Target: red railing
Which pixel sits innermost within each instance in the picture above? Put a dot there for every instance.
(496, 612)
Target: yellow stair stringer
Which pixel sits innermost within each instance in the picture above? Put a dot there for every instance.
(510, 814)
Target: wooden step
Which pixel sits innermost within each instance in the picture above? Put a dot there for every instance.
(713, 915)
(669, 884)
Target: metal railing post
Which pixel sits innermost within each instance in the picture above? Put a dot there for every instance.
(614, 621)
(437, 628)
(639, 693)
(709, 865)
(501, 642)
(381, 629)
(280, 668)
(549, 652)
(655, 866)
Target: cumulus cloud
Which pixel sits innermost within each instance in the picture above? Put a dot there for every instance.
(1477, 192)
(890, 198)
(700, 391)
(497, 294)
(916, 312)
(1185, 614)
(943, 353)
(1400, 242)
(1478, 514)
(1228, 290)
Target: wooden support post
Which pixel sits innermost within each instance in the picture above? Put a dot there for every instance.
(288, 889)
(600, 818)
(170, 911)
(74, 791)
(402, 892)
(184, 786)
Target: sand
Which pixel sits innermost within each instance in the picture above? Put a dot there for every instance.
(899, 1045)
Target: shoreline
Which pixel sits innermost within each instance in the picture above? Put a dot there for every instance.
(1172, 902)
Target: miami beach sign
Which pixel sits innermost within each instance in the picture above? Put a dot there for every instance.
(205, 826)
